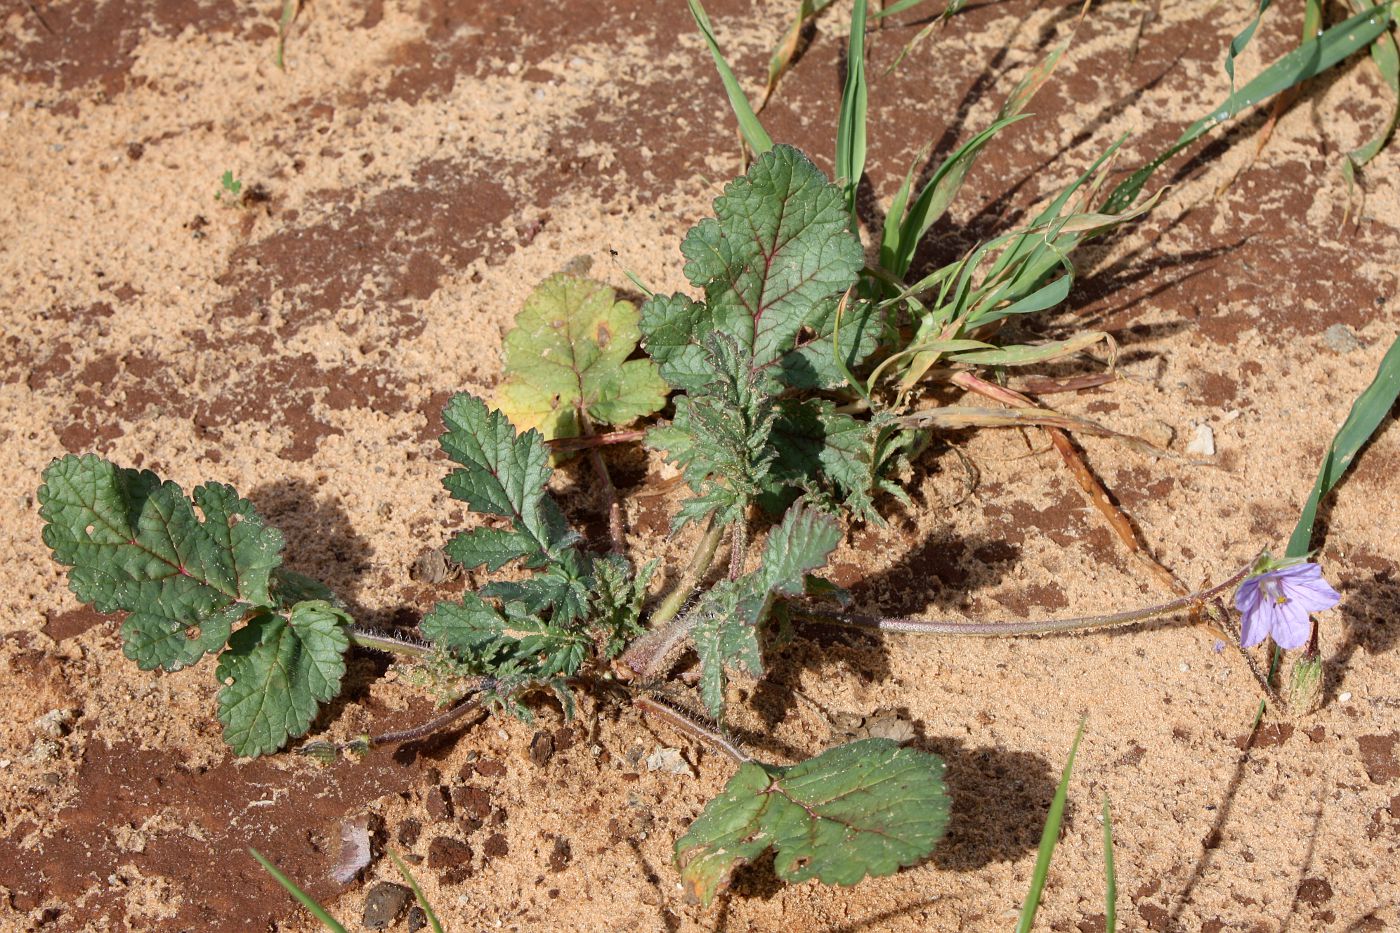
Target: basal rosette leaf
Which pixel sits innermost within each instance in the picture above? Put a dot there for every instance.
(615, 610)
(137, 545)
(503, 474)
(277, 672)
(514, 641)
(864, 809)
(732, 612)
(779, 247)
(568, 353)
(719, 437)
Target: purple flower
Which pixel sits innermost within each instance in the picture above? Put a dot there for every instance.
(1276, 603)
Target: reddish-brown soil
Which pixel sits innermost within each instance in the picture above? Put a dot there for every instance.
(416, 168)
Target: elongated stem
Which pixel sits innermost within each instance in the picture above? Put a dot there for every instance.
(691, 726)
(667, 632)
(1039, 627)
(606, 489)
(738, 546)
(432, 725)
(694, 572)
(328, 752)
(364, 638)
(566, 444)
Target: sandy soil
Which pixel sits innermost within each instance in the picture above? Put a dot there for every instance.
(412, 173)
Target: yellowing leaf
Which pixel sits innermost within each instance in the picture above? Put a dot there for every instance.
(568, 353)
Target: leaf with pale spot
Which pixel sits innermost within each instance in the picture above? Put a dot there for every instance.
(864, 809)
(568, 354)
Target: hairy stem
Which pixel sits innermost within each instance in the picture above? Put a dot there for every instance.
(606, 489)
(587, 442)
(738, 546)
(691, 726)
(364, 638)
(432, 725)
(1039, 627)
(668, 632)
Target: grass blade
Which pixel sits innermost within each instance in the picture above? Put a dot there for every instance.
(953, 8)
(786, 49)
(899, 6)
(1309, 59)
(753, 132)
(417, 892)
(897, 248)
(1370, 409)
(1110, 874)
(904, 228)
(1048, 838)
(1386, 55)
(290, 8)
(850, 125)
(1238, 43)
(316, 909)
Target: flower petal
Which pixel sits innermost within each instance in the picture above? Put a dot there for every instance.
(1254, 623)
(1292, 625)
(1247, 596)
(1313, 593)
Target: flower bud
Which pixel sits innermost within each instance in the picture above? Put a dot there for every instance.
(1302, 687)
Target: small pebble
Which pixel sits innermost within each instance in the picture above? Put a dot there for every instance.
(1340, 339)
(1344, 697)
(1184, 667)
(1203, 444)
(384, 904)
(669, 760)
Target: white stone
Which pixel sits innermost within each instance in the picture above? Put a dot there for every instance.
(1203, 444)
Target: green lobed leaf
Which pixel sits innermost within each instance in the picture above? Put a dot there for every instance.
(277, 671)
(779, 246)
(726, 640)
(819, 448)
(867, 808)
(568, 354)
(137, 545)
(797, 547)
(501, 474)
(719, 436)
(616, 606)
(561, 589)
(496, 642)
(732, 612)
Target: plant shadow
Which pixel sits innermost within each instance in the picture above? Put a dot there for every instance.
(931, 574)
(321, 542)
(1000, 800)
